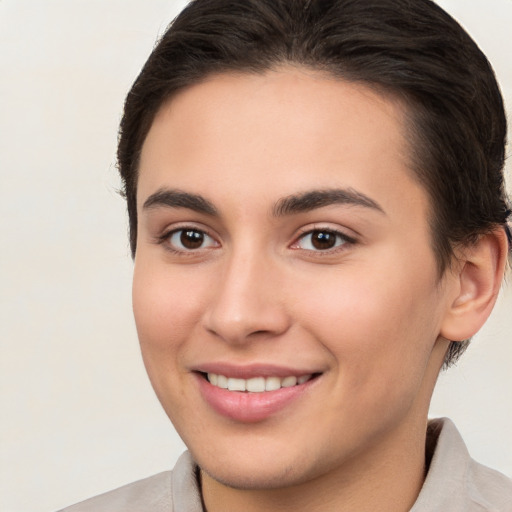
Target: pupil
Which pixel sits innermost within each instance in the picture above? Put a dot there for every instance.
(323, 240)
(191, 239)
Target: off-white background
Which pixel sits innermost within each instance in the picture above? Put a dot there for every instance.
(77, 415)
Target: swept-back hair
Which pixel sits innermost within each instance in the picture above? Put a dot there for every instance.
(409, 49)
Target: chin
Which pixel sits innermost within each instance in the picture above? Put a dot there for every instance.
(259, 469)
(253, 477)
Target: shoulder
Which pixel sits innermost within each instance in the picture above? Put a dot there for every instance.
(152, 494)
(488, 488)
(455, 481)
(175, 490)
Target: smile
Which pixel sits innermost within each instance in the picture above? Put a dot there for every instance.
(253, 394)
(256, 384)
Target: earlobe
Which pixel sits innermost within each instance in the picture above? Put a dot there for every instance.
(477, 282)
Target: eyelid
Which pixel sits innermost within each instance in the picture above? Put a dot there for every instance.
(347, 239)
(165, 236)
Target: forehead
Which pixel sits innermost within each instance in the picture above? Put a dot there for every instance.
(277, 133)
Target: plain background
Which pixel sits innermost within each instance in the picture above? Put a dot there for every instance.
(78, 416)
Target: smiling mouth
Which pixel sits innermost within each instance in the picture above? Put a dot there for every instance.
(256, 384)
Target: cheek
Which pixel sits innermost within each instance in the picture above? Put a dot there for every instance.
(167, 311)
(167, 307)
(376, 325)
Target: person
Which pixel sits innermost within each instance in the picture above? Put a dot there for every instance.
(318, 222)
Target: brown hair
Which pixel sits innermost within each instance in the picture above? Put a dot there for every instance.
(411, 49)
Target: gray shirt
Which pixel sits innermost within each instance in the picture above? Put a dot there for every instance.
(454, 483)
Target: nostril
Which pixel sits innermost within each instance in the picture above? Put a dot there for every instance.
(259, 333)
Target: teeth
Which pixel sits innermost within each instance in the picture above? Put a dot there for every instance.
(236, 384)
(256, 384)
(272, 383)
(288, 382)
(222, 382)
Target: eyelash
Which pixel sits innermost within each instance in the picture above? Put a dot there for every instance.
(341, 240)
(166, 237)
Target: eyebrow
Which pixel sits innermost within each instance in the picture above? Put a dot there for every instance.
(178, 199)
(319, 198)
(289, 205)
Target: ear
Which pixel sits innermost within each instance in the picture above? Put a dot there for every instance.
(477, 278)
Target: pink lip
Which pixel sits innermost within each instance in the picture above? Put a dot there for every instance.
(248, 407)
(252, 370)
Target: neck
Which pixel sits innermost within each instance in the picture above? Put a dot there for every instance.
(387, 477)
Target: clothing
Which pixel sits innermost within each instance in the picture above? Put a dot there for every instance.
(454, 483)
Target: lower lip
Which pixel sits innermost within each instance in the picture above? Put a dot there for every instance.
(249, 407)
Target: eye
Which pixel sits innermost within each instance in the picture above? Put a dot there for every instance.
(321, 240)
(189, 239)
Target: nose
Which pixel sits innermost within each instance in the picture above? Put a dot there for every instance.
(248, 301)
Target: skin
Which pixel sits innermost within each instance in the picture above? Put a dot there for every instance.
(366, 315)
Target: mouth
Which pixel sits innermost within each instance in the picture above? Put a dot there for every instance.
(256, 397)
(256, 384)
(254, 392)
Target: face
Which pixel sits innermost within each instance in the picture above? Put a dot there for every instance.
(285, 291)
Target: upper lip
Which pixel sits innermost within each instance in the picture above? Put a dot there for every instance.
(252, 370)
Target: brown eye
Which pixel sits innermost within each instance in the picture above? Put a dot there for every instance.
(322, 240)
(191, 239)
(188, 239)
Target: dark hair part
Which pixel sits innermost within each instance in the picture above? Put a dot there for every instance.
(410, 49)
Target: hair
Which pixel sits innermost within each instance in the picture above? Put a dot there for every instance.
(409, 49)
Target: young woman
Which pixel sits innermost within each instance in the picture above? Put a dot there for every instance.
(319, 223)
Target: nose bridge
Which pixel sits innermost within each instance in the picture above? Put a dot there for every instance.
(246, 300)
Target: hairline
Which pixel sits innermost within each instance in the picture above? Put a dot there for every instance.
(410, 131)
